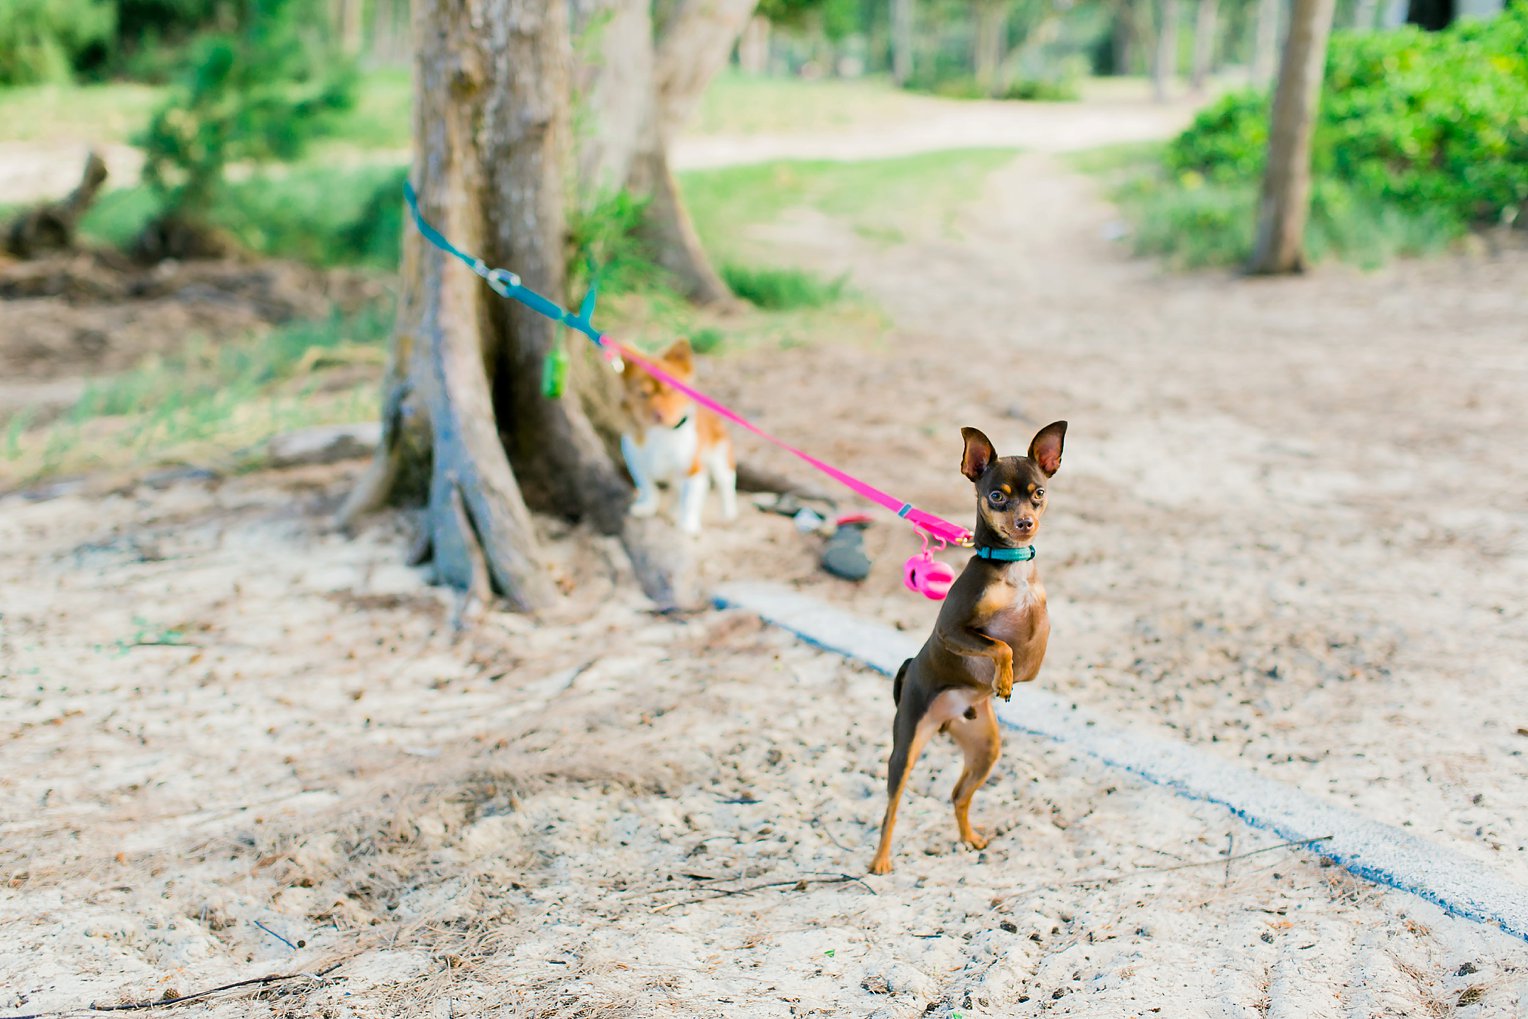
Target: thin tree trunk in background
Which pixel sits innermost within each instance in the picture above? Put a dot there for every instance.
(1285, 200)
(991, 23)
(753, 47)
(1124, 37)
(901, 42)
(1363, 15)
(1164, 68)
(1265, 46)
(390, 32)
(351, 23)
(1204, 43)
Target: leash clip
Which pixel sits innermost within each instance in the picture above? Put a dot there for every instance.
(502, 280)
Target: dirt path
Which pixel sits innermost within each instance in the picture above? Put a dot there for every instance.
(1290, 527)
(936, 125)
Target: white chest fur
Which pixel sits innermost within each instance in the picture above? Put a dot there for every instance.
(667, 454)
(672, 457)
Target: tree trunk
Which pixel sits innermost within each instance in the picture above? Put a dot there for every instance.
(671, 231)
(1165, 67)
(1204, 43)
(991, 22)
(1285, 199)
(390, 32)
(1363, 15)
(753, 47)
(348, 22)
(615, 85)
(1265, 46)
(1123, 38)
(901, 42)
(462, 399)
(50, 226)
(693, 45)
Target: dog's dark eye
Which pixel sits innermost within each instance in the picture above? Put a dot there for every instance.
(996, 498)
(1039, 493)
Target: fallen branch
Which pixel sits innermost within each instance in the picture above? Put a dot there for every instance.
(798, 884)
(1109, 879)
(50, 227)
(137, 1006)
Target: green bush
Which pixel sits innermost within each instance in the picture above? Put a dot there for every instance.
(1434, 121)
(259, 93)
(40, 40)
(1042, 90)
(608, 235)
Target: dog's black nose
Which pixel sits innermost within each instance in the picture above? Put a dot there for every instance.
(1025, 523)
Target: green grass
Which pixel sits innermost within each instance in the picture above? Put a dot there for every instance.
(740, 104)
(311, 213)
(1192, 223)
(882, 198)
(782, 289)
(381, 120)
(115, 112)
(204, 400)
(72, 113)
(352, 215)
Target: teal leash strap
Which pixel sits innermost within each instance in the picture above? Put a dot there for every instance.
(504, 283)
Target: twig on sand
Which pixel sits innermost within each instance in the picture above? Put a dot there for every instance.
(1109, 879)
(798, 884)
(137, 1006)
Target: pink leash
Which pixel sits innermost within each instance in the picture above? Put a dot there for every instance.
(935, 526)
(507, 284)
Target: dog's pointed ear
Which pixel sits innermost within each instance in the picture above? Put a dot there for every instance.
(978, 455)
(680, 355)
(1045, 450)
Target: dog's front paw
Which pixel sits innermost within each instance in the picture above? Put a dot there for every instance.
(881, 865)
(1003, 686)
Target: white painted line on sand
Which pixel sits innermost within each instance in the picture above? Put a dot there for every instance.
(1381, 853)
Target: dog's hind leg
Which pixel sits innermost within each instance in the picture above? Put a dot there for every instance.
(910, 733)
(896, 684)
(981, 743)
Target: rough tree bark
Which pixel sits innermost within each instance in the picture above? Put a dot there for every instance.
(1265, 44)
(1285, 199)
(466, 431)
(991, 24)
(1164, 67)
(1204, 43)
(638, 92)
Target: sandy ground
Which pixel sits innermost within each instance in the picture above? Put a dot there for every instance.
(1290, 528)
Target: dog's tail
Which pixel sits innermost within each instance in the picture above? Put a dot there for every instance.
(896, 684)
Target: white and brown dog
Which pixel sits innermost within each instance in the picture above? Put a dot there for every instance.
(676, 443)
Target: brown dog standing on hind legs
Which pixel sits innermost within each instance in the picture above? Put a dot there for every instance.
(991, 631)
